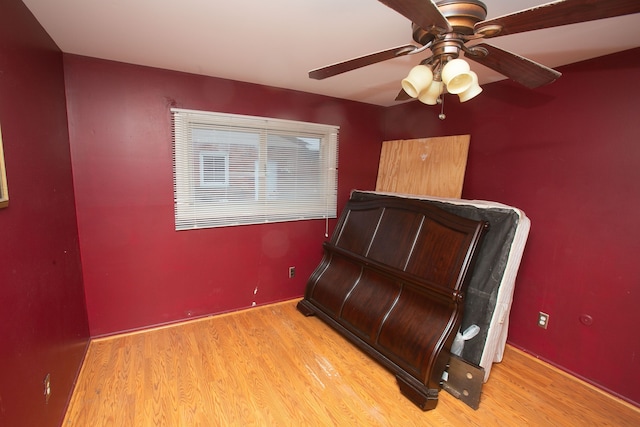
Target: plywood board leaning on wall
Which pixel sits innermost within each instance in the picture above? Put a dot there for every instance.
(426, 166)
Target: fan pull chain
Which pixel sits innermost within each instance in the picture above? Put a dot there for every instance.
(441, 116)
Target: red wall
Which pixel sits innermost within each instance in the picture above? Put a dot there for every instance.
(568, 154)
(138, 270)
(43, 323)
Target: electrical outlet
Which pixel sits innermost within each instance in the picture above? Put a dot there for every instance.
(292, 272)
(543, 320)
(47, 388)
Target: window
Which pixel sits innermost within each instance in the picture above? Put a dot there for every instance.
(233, 170)
(214, 169)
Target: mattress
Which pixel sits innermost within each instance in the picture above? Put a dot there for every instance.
(490, 289)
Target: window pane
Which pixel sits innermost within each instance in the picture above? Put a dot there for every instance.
(232, 170)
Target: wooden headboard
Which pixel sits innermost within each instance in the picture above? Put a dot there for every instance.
(392, 281)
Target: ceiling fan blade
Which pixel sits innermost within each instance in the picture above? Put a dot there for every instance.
(402, 96)
(362, 61)
(557, 13)
(517, 68)
(423, 13)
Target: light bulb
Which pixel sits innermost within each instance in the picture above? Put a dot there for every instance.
(456, 76)
(418, 79)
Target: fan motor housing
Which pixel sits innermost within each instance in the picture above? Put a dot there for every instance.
(461, 14)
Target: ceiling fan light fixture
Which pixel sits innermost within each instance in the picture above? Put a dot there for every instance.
(431, 95)
(445, 27)
(417, 81)
(472, 91)
(456, 75)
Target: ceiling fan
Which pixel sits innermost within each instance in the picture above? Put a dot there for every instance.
(448, 28)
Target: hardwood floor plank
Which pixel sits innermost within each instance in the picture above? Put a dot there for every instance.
(271, 366)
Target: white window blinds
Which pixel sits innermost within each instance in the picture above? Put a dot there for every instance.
(232, 170)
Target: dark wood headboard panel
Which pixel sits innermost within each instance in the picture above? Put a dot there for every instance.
(392, 281)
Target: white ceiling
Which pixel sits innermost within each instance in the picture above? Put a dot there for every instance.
(276, 42)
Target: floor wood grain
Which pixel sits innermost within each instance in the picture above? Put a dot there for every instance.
(271, 366)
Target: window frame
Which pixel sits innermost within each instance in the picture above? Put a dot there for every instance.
(191, 212)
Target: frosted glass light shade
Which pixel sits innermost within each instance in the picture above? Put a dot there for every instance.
(430, 96)
(456, 75)
(419, 79)
(472, 91)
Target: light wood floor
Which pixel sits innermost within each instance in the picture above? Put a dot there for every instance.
(271, 366)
